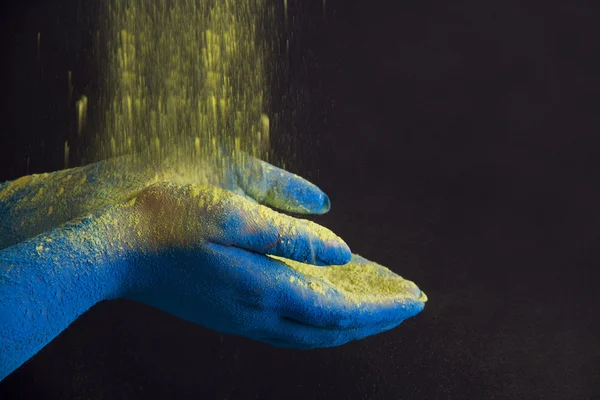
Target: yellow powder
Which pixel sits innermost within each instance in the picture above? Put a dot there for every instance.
(82, 109)
(360, 281)
(181, 77)
(183, 73)
(38, 195)
(13, 186)
(67, 152)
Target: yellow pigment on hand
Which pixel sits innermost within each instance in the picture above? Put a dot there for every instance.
(360, 281)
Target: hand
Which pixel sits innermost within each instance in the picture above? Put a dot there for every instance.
(199, 252)
(369, 299)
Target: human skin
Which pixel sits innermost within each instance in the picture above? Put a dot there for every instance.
(195, 250)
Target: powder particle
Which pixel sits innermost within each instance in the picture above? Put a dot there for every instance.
(38, 195)
(82, 110)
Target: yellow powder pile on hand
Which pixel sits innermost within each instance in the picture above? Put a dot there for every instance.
(360, 281)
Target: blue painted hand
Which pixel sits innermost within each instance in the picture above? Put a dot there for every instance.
(208, 253)
(200, 253)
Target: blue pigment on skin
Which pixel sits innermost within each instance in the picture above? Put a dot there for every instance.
(46, 283)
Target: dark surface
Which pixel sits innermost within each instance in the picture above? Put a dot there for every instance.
(458, 143)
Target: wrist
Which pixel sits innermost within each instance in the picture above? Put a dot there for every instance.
(113, 235)
(128, 239)
(47, 282)
(85, 252)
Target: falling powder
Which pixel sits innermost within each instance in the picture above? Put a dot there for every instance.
(184, 77)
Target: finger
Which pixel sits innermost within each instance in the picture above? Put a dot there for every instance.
(330, 312)
(290, 334)
(280, 189)
(235, 221)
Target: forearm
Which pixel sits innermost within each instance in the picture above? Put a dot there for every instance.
(47, 282)
(35, 204)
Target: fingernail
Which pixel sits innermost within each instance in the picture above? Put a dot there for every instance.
(326, 204)
(415, 292)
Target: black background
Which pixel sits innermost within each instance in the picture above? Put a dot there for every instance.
(458, 143)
